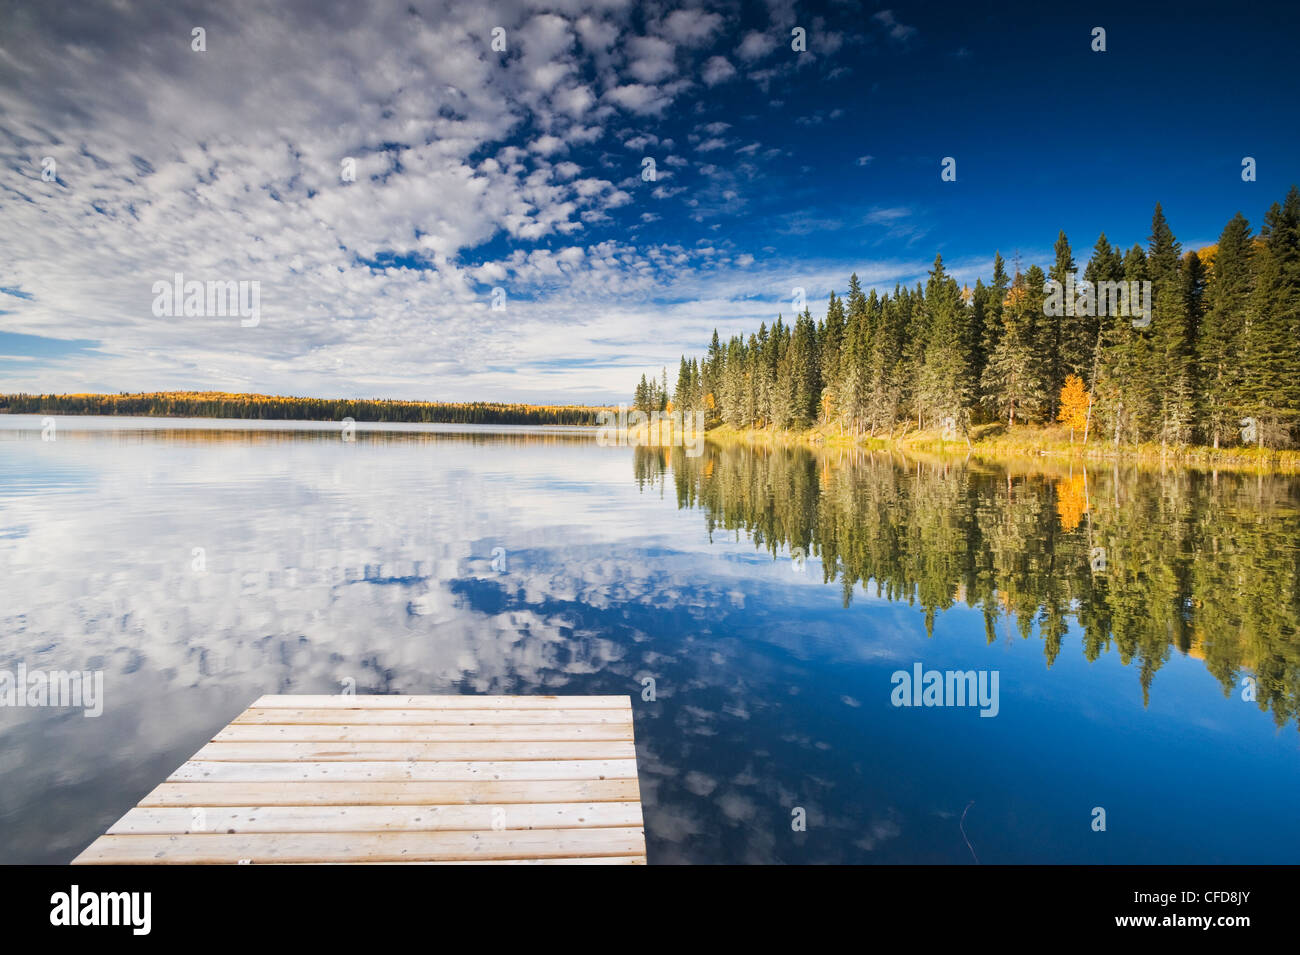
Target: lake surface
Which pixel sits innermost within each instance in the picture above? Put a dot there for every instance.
(1142, 626)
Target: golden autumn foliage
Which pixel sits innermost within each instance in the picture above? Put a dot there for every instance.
(1072, 500)
(221, 404)
(1206, 255)
(828, 403)
(1074, 404)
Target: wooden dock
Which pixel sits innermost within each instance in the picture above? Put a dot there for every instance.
(398, 779)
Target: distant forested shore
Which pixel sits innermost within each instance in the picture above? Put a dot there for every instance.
(1149, 346)
(209, 404)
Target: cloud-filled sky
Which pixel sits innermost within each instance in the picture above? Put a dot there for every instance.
(523, 169)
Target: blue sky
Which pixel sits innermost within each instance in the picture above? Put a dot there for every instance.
(522, 169)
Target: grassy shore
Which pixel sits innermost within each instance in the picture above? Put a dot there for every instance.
(995, 442)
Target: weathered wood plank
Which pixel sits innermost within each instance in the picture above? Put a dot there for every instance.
(208, 848)
(451, 702)
(377, 818)
(416, 717)
(425, 733)
(196, 771)
(585, 860)
(480, 750)
(331, 793)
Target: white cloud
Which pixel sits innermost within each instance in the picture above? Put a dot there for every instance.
(717, 70)
(897, 31)
(691, 27)
(755, 46)
(651, 59)
(639, 98)
(547, 145)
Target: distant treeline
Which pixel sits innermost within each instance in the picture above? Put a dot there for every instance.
(211, 404)
(1211, 357)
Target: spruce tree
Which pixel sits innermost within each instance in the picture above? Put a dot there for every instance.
(884, 359)
(998, 289)
(852, 383)
(1106, 265)
(944, 389)
(1060, 332)
(1134, 376)
(1271, 370)
(1015, 381)
(830, 349)
(1170, 334)
(763, 378)
(1219, 348)
(682, 393)
(803, 371)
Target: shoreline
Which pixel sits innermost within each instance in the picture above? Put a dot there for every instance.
(1024, 443)
(991, 443)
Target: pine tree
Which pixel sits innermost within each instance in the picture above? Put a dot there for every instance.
(853, 385)
(1106, 265)
(763, 378)
(1271, 371)
(1171, 341)
(803, 371)
(1125, 393)
(1059, 328)
(682, 396)
(1221, 339)
(944, 390)
(998, 289)
(830, 349)
(712, 373)
(752, 361)
(1016, 377)
(732, 386)
(884, 361)
(916, 340)
(782, 404)
(977, 334)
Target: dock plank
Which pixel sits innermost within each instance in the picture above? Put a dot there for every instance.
(218, 847)
(449, 770)
(477, 750)
(393, 793)
(494, 703)
(417, 717)
(235, 819)
(398, 779)
(425, 733)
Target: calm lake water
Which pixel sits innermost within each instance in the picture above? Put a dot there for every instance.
(1142, 625)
